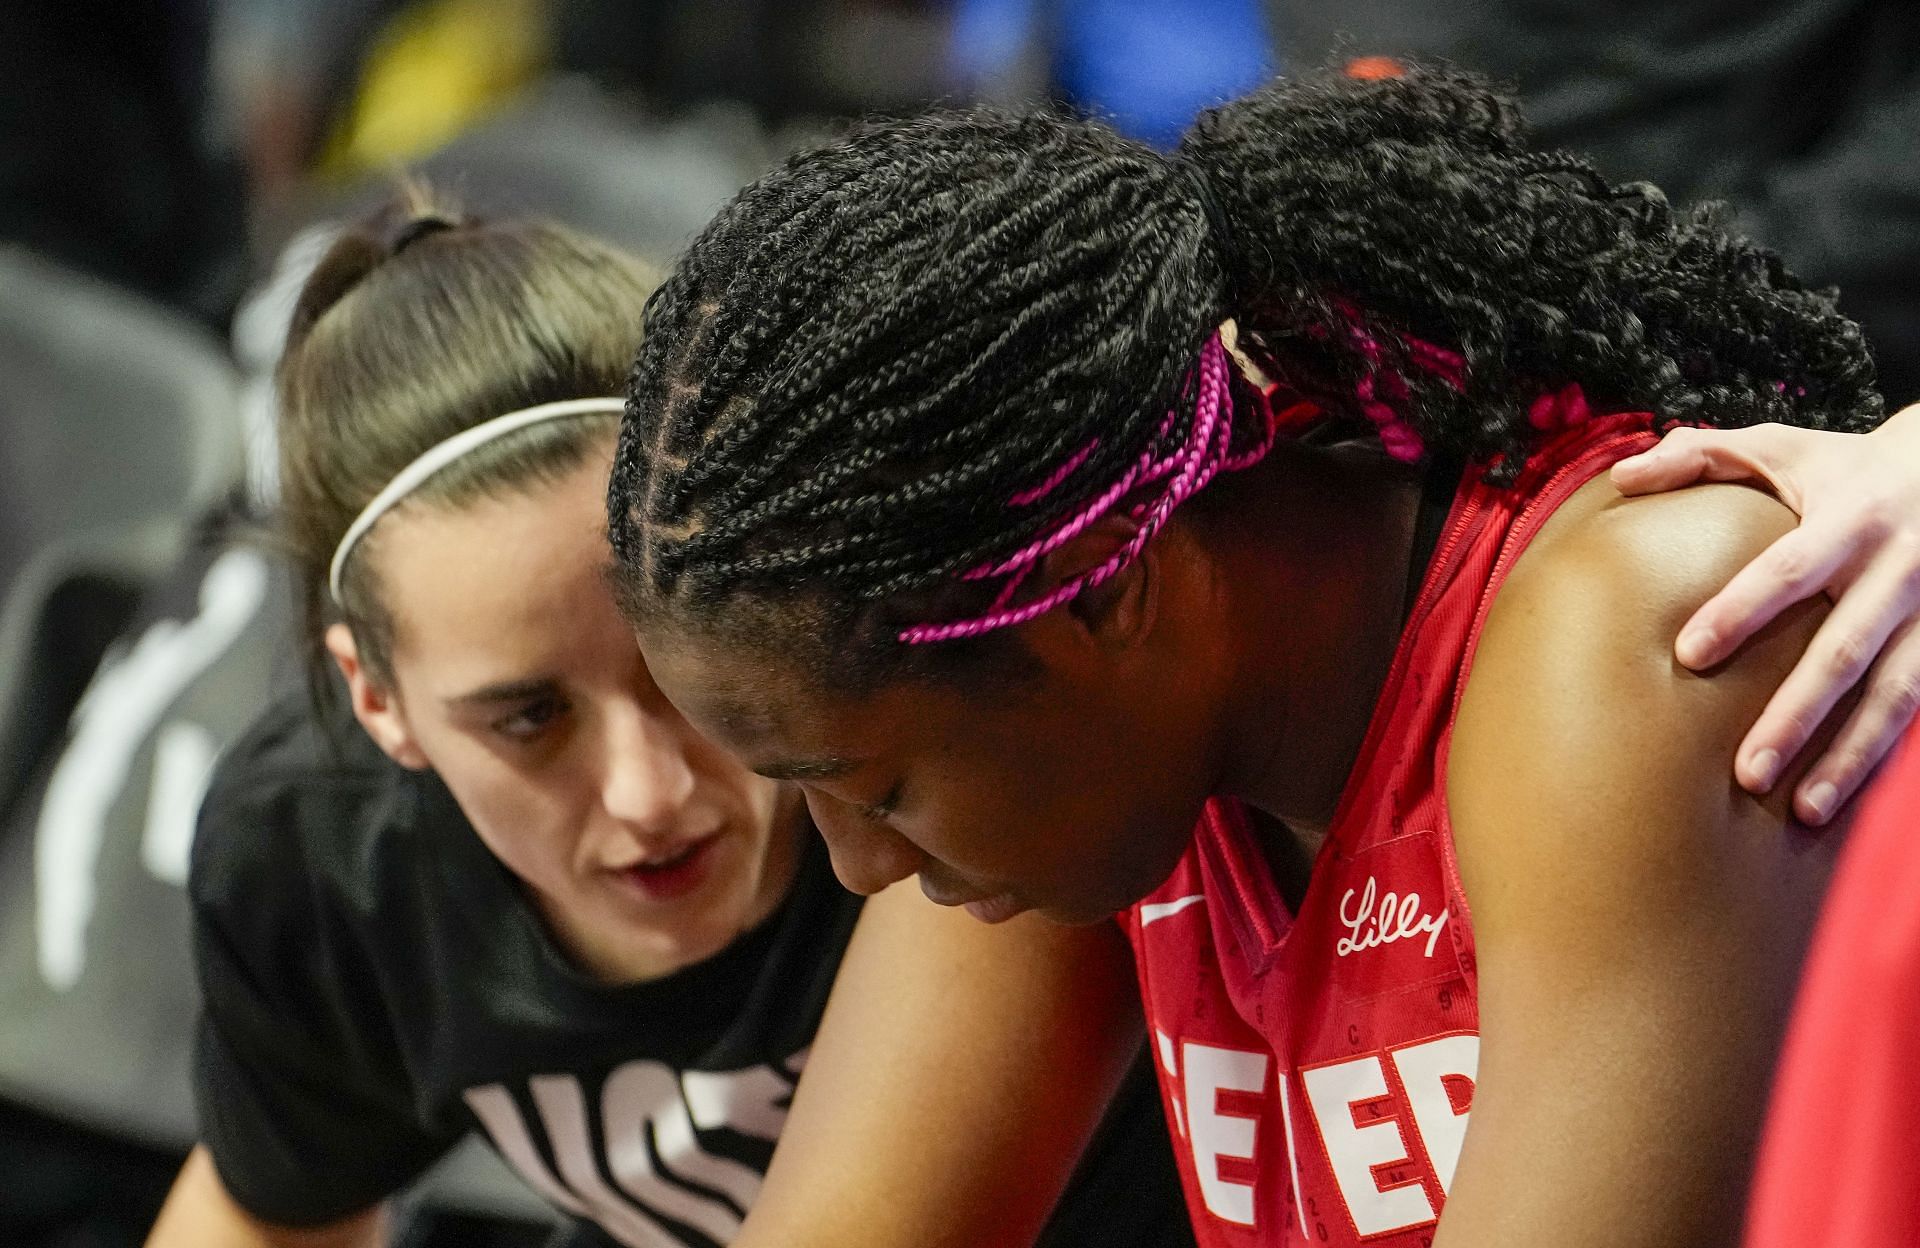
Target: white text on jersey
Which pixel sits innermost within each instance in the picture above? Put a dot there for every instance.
(1397, 918)
(1393, 1165)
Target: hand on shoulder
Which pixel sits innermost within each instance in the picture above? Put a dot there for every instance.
(1859, 543)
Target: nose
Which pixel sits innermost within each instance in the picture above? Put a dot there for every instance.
(647, 778)
(867, 855)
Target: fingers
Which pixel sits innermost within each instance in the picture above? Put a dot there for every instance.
(1798, 565)
(1875, 608)
(1686, 456)
(1862, 502)
(1876, 725)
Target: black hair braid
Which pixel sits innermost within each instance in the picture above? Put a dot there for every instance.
(955, 403)
(874, 348)
(1417, 200)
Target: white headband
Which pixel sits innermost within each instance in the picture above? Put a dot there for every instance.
(460, 444)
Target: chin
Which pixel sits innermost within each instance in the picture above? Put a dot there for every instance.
(650, 953)
(687, 948)
(1086, 911)
(659, 940)
(1077, 916)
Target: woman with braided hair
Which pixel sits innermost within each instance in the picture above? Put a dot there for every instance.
(1225, 541)
(496, 885)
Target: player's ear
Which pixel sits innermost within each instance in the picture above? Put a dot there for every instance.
(1118, 612)
(374, 705)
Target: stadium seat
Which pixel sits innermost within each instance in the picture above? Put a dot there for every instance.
(118, 423)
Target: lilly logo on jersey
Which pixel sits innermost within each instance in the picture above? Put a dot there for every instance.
(1388, 1125)
(1395, 917)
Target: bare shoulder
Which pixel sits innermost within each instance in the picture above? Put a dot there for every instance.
(1639, 920)
(1646, 562)
(1582, 631)
(1577, 720)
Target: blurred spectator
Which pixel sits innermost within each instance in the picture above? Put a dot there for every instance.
(1802, 113)
(105, 159)
(784, 59)
(435, 69)
(348, 87)
(364, 84)
(1147, 65)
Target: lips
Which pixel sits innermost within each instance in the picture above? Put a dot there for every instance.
(672, 871)
(988, 908)
(997, 909)
(664, 856)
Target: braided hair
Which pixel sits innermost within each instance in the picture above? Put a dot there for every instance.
(873, 349)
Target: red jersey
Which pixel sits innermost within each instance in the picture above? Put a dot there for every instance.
(1837, 1166)
(1318, 1068)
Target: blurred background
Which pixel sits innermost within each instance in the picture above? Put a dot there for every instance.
(169, 169)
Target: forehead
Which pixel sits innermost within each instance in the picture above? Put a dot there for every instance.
(500, 582)
(774, 710)
(759, 699)
(748, 696)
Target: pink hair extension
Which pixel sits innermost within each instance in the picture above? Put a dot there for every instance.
(1448, 366)
(1144, 472)
(1297, 418)
(1007, 591)
(1187, 469)
(1027, 498)
(1257, 452)
(1380, 390)
(1399, 437)
(1559, 409)
(1190, 466)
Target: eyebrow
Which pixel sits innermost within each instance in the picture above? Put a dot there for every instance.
(504, 691)
(808, 769)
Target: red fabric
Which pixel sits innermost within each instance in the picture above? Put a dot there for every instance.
(1318, 1070)
(1838, 1166)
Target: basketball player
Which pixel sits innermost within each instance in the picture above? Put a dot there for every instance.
(1002, 483)
(520, 896)
(1837, 1167)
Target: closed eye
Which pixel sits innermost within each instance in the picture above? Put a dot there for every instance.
(883, 809)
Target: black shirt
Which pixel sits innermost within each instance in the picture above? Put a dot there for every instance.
(377, 985)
